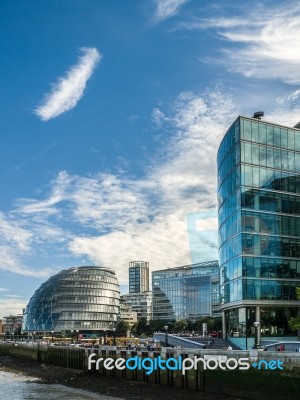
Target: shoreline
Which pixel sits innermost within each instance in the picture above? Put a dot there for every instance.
(101, 385)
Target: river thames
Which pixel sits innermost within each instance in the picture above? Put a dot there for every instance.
(20, 387)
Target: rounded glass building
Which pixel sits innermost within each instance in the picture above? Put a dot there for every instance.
(79, 298)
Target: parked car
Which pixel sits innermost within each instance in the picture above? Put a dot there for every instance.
(290, 346)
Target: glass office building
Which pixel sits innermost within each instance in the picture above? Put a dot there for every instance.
(81, 298)
(187, 292)
(259, 227)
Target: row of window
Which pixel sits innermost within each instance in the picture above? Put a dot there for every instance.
(263, 156)
(89, 285)
(261, 132)
(252, 289)
(254, 244)
(260, 267)
(88, 300)
(262, 177)
(86, 316)
(257, 222)
(252, 153)
(86, 307)
(91, 278)
(81, 325)
(65, 291)
(258, 177)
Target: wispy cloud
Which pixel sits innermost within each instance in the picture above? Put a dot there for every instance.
(91, 216)
(145, 218)
(11, 306)
(167, 8)
(264, 41)
(67, 92)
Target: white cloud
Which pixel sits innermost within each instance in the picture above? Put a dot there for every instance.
(13, 234)
(10, 261)
(146, 218)
(69, 90)
(265, 41)
(167, 8)
(112, 219)
(11, 306)
(3, 290)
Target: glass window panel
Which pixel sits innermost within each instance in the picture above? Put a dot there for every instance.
(247, 130)
(291, 161)
(254, 131)
(291, 139)
(262, 133)
(297, 141)
(284, 139)
(270, 135)
(276, 136)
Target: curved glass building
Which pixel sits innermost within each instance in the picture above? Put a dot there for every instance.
(80, 298)
(259, 227)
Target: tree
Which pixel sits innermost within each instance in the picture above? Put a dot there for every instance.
(122, 327)
(294, 323)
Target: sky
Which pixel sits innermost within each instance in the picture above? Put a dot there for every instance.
(111, 116)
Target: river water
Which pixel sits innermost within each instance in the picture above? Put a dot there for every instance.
(14, 386)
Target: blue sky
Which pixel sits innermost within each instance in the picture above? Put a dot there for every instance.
(111, 116)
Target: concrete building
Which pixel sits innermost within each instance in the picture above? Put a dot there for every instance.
(138, 277)
(127, 314)
(259, 228)
(11, 323)
(186, 292)
(141, 303)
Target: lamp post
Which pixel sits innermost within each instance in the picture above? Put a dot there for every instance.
(256, 325)
(52, 332)
(72, 337)
(114, 336)
(33, 333)
(77, 331)
(166, 335)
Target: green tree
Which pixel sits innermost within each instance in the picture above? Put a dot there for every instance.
(180, 326)
(294, 323)
(122, 327)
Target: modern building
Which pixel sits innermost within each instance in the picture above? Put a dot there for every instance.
(141, 303)
(187, 292)
(127, 314)
(83, 299)
(11, 323)
(1, 327)
(259, 228)
(138, 277)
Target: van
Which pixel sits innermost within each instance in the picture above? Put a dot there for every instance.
(290, 346)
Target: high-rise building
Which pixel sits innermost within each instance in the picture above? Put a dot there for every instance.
(259, 228)
(138, 277)
(187, 292)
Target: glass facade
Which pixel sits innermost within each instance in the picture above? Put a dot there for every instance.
(187, 292)
(259, 215)
(80, 298)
